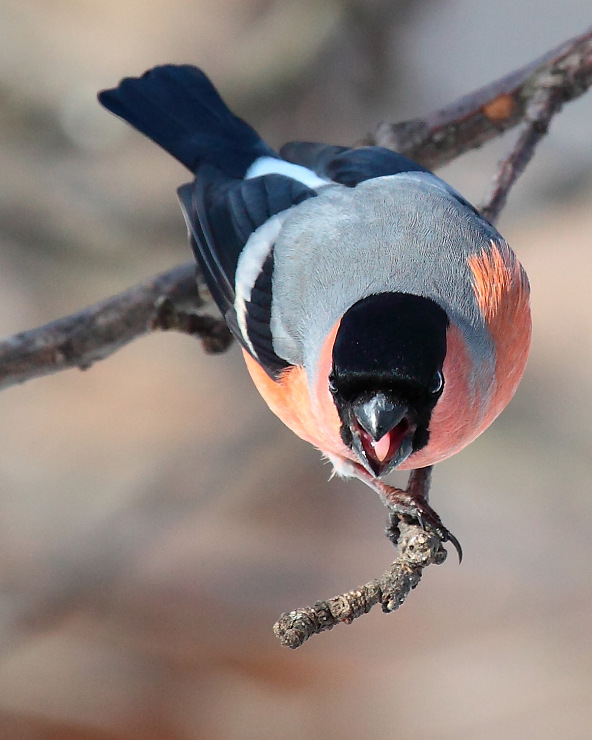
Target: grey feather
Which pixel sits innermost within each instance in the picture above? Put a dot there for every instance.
(409, 232)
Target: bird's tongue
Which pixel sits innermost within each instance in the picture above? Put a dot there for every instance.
(382, 447)
(383, 450)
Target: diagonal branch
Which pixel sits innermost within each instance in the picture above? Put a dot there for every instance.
(538, 115)
(484, 114)
(98, 331)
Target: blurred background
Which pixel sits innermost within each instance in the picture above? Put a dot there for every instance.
(155, 519)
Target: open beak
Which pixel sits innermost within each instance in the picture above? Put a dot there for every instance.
(382, 434)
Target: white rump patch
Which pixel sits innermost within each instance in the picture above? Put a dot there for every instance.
(274, 166)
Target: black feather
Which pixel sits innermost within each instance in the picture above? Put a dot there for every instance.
(348, 166)
(389, 341)
(221, 215)
(178, 107)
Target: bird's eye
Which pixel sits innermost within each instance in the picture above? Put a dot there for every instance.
(332, 386)
(436, 383)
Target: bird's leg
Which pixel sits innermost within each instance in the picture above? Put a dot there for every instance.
(410, 505)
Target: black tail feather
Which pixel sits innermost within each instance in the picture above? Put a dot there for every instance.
(178, 107)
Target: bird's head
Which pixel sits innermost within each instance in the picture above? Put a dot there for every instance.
(386, 376)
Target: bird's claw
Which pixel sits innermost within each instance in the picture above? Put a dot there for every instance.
(411, 504)
(407, 507)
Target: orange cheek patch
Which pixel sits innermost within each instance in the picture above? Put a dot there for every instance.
(501, 289)
(315, 421)
(324, 399)
(502, 294)
(456, 418)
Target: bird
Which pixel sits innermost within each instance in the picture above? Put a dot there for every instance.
(381, 317)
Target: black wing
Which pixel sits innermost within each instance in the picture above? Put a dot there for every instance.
(352, 166)
(348, 166)
(222, 215)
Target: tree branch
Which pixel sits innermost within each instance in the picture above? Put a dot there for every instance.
(484, 114)
(98, 331)
(417, 548)
(541, 109)
(533, 94)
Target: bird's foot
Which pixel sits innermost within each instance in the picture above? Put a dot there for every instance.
(411, 505)
(406, 508)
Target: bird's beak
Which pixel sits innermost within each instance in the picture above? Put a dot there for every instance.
(382, 434)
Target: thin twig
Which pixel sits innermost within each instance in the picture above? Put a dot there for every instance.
(484, 114)
(417, 549)
(418, 534)
(213, 332)
(541, 110)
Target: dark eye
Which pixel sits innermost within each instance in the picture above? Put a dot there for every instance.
(332, 386)
(436, 383)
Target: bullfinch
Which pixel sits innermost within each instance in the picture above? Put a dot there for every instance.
(381, 317)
